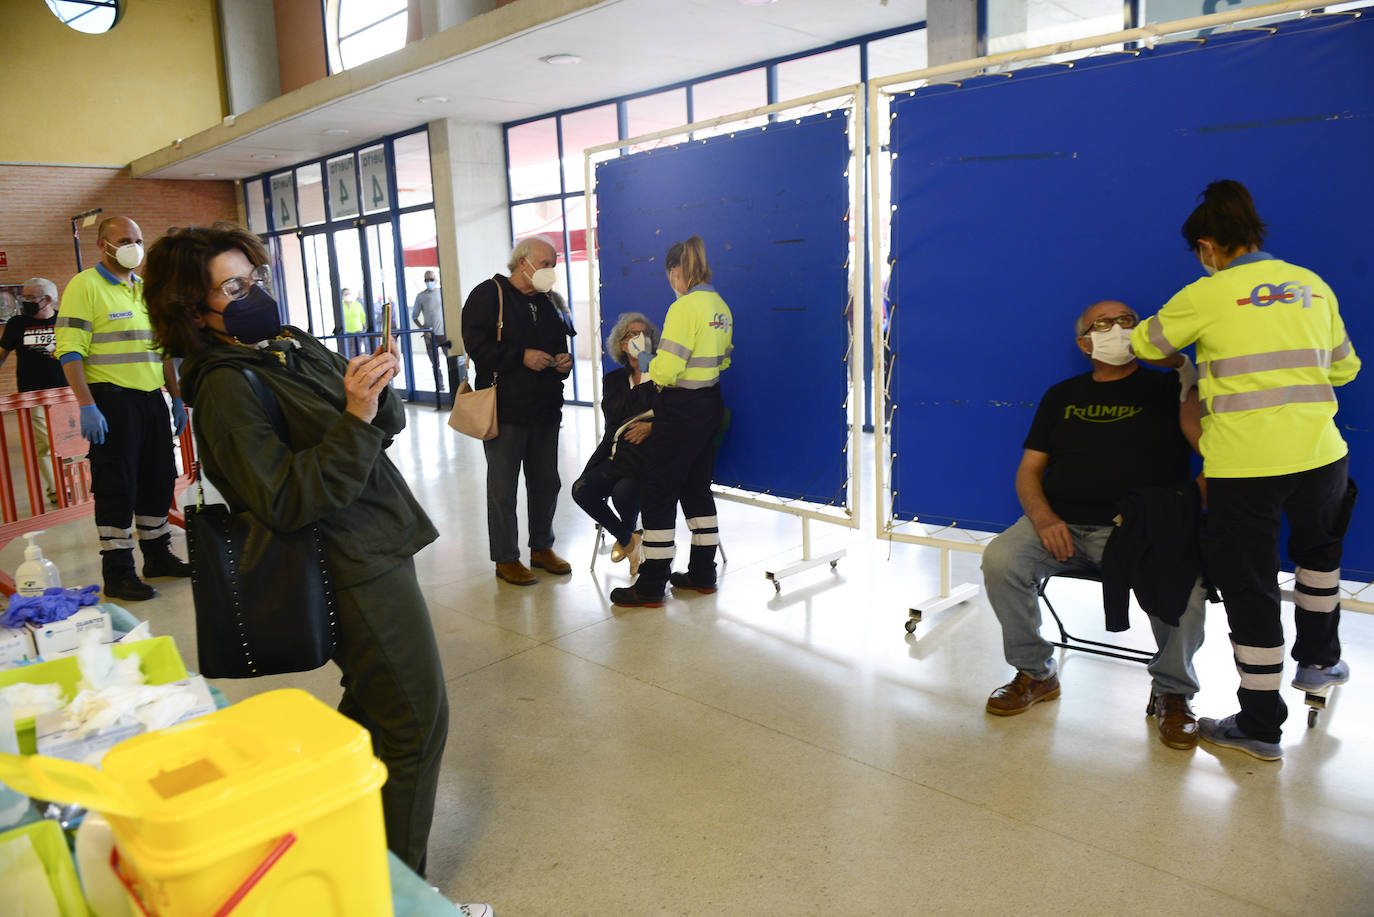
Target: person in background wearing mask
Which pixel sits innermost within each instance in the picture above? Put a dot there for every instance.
(209, 302)
(354, 321)
(612, 473)
(517, 338)
(1095, 437)
(105, 345)
(680, 460)
(31, 334)
(1271, 347)
(428, 313)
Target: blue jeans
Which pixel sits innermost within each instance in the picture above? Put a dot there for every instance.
(602, 483)
(1016, 560)
(535, 446)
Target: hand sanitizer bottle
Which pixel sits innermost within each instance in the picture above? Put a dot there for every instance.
(36, 573)
(14, 805)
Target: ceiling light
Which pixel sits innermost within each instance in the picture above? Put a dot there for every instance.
(206, 174)
(432, 100)
(337, 131)
(264, 156)
(561, 59)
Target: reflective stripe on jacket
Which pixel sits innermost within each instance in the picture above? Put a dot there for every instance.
(1271, 347)
(695, 345)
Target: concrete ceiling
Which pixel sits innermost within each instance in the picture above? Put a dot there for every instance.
(490, 70)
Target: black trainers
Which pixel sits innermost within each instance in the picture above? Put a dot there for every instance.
(627, 597)
(685, 581)
(129, 587)
(165, 564)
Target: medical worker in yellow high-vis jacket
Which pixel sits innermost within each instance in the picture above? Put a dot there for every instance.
(680, 457)
(1271, 347)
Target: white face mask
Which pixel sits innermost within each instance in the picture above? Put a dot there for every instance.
(1211, 269)
(1112, 347)
(543, 278)
(129, 256)
(636, 345)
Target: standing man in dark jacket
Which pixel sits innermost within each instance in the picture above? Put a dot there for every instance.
(515, 334)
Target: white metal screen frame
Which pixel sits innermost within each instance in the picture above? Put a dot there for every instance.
(850, 100)
(950, 537)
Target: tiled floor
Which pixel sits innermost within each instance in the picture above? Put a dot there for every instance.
(759, 754)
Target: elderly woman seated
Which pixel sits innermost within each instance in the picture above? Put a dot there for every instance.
(611, 474)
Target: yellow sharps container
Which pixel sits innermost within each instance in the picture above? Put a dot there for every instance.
(268, 807)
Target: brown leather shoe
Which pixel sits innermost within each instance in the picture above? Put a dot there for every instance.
(516, 573)
(547, 560)
(1022, 693)
(1177, 725)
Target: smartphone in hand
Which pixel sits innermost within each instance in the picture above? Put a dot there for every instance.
(386, 327)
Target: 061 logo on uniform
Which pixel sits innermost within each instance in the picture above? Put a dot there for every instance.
(1266, 294)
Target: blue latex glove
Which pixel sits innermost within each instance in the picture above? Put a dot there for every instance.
(178, 416)
(645, 358)
(93, 425)
(55, 604)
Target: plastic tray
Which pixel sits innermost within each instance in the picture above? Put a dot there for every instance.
(161, 663)
(51, 846)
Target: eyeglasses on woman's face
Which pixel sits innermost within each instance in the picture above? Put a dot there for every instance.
(236, 288)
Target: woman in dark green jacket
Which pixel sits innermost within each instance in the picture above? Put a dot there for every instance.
(208, 302)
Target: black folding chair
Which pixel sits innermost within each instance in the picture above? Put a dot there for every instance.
(1070, 642)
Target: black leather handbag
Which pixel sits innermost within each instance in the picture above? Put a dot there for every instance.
(264, 600)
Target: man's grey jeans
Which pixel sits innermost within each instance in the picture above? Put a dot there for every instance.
(1016, 560)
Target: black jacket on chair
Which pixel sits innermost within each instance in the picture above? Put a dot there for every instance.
(1156, 550)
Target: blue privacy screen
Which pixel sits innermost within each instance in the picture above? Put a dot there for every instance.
(1021, 200)
(771, 206)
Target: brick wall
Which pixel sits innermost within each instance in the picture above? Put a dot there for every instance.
(38, 202)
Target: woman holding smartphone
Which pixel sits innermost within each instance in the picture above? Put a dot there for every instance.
(208, 300)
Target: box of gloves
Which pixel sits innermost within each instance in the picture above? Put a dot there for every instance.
(16, 646)
(61, 638)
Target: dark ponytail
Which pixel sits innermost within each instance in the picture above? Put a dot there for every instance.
(691, 257)
(1226, 216)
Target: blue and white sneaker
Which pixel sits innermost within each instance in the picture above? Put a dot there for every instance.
(1226, 734)
(1312, 678)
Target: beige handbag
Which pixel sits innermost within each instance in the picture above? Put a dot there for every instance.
(474, 412)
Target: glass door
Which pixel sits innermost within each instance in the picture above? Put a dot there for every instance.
(383, 288)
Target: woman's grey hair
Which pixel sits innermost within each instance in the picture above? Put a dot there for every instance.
(626, 319)
(47, 286)
(523, 247)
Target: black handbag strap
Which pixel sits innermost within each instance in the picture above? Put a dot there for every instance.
(269, 404)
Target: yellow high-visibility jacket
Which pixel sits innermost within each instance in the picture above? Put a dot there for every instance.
(696, 342)
(1271, 346)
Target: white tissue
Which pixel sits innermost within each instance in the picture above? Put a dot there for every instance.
(28, 700)
(24, 880)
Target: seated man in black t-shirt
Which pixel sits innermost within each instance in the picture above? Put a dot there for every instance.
(1094, 437)
(31, 334)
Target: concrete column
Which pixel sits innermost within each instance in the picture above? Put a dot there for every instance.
(471, 210)
(437, 15)
(248, 39)
(952, 30)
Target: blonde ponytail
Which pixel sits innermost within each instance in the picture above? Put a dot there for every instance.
(690, 256)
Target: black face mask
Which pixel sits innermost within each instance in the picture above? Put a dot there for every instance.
(30, 307)
(253, 318)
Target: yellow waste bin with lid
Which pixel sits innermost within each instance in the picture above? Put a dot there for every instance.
(268, 807)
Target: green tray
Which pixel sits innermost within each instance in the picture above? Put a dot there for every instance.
(161, 663)
(51, 846)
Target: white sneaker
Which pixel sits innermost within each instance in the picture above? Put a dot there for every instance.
(476, 910)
